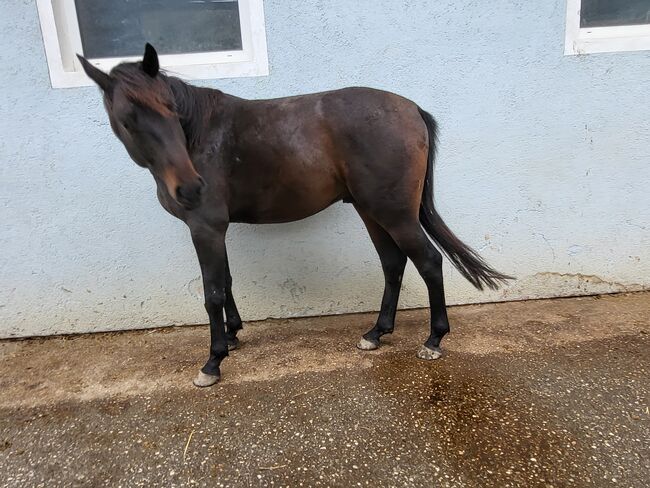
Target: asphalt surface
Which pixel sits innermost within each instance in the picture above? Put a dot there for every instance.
(545, 393)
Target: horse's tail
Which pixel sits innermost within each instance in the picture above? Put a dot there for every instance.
(464, 258)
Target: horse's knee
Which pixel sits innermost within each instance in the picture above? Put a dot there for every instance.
(215, 300)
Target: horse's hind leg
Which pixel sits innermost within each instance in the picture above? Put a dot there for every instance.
(233, 320)
(393, 261)
(412, 240)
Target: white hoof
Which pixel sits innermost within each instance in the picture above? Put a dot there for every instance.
(366, 345)
(429, 354)
(202, 380)
(233, 343)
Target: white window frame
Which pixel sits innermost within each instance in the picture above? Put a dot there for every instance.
(585, 40)
(62, 40)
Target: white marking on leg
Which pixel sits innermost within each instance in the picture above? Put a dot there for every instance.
(429, 354)
(366, 345)
(202, 380)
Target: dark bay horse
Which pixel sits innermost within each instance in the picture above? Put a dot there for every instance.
(218, 159)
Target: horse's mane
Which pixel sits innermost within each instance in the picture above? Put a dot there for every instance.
(169, 96)
(194, 106)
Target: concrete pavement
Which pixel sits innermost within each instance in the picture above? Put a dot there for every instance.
(540, 393)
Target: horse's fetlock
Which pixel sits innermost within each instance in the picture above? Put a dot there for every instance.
(220, 351)
(234, 325)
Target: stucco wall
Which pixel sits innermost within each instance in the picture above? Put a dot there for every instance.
(544, 167)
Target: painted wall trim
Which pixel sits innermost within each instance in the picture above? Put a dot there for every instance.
(602, 39)
(62, 40)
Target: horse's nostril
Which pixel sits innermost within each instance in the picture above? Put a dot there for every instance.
(179, 192)
(201, 182)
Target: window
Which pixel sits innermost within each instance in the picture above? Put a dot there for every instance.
(196, 39)
(595, 26)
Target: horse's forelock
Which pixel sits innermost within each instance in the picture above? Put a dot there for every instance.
(142, 89)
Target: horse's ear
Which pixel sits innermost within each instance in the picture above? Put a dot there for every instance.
(150, 61)
(104, 81)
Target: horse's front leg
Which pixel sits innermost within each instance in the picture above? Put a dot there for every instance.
(211, 251)
(233, 320)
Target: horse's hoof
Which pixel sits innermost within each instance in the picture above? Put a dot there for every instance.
(202, 380)
(429, 354)
(366, 345)
(233, 344)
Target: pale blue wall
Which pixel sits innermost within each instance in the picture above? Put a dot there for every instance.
(543, 166)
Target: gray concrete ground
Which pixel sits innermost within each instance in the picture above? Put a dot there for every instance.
(541, 393)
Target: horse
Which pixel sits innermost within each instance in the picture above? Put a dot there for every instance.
(217, 159)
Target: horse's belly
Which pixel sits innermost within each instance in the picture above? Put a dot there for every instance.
(286, 204)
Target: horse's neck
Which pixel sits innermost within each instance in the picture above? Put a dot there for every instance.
(196, 106)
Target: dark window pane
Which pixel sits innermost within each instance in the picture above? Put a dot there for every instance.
(118, 28)
(603, 13)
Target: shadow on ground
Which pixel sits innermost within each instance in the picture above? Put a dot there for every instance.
(542, 393)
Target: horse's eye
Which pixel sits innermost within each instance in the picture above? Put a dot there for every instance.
(129, 121)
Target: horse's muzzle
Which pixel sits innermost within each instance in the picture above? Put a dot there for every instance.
(189, 195)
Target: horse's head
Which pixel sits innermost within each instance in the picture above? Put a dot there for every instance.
(141, 110)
